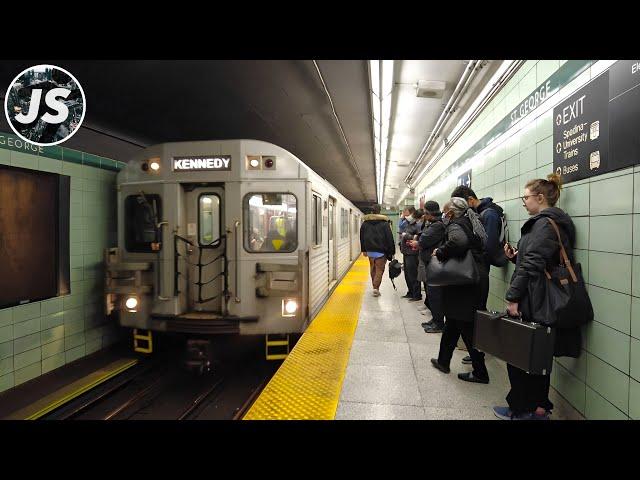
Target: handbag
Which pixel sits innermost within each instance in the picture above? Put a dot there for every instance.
(453, 271)
(422, 271)
(565, 302)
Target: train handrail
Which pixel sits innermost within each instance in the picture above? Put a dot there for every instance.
(200, 265)
(235, 241)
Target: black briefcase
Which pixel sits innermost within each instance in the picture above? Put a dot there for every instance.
(526, 345)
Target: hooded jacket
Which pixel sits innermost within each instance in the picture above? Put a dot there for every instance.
(376, 235)
(538, 249)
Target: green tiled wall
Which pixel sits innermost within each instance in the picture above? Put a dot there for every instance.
(604, 383)
(41, 336)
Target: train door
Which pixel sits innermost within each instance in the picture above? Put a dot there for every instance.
(332, 243)
(352, 232)
(206, 260)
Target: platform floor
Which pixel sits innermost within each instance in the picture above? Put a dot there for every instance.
(389, 374)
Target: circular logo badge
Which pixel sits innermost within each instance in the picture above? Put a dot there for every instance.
(45, 105)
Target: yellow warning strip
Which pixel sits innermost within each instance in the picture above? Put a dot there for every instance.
(308, 384)
(71, 391)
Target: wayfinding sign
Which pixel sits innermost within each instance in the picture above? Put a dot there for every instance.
(581, 132)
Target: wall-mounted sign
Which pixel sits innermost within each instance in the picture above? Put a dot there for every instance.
(532, 102)
(201, 163)
(581, 132)
(465, 179)
(624, 114)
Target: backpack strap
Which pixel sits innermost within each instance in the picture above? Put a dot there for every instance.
(563, 253)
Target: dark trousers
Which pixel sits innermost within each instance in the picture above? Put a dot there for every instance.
(436, 304)
(484, 289)
(453, 328)
(411, 275)
(528, 392)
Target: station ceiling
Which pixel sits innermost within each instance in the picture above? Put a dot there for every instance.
(320, 111)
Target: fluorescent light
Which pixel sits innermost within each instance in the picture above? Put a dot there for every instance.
(387, 78)
(374, 69)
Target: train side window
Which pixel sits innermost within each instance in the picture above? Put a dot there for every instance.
(317, 219)
(209, 220)
(141, 219)
(271, 222)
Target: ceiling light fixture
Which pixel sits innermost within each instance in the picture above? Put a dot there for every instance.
(381, 77)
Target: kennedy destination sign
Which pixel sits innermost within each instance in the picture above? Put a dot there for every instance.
(202, 163)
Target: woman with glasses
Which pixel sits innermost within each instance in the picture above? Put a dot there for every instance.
(538, 250)
(463, 232)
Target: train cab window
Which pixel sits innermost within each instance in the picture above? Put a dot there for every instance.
(317, 219)
(209, 219)
(271, 222)
(141, 219)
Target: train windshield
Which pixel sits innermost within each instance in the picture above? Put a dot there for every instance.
(141, 220)
(209, 219)
(271, 221)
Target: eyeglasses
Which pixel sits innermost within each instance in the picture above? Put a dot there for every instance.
(524, 198)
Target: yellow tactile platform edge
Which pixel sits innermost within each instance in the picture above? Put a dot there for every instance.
(308, 384)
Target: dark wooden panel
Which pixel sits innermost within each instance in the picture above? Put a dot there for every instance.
(28, 235)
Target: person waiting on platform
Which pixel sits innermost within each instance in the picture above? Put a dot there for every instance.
(409, 251)
(376, 242)
(432, 237)
(464, 232)
(538, 248)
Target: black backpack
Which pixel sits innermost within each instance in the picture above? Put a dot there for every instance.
(395, 269)
(499, 259)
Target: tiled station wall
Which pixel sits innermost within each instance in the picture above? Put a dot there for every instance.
(38, 337)
(604, 382)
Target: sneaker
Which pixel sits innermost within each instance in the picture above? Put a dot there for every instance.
(531, 416)
(467, 360)
(376, 292)
(442, 368)
(433, 329)
(503, 413)
(469, 377)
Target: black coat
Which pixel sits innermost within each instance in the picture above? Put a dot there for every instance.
(538, 250)
(432, 236)
(462, 301)
(411, 230)
(376, 235)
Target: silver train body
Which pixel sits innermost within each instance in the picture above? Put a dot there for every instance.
(234, 237)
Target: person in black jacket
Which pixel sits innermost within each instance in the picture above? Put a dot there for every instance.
(464, 231)
(537, 250)
(376, 243)
(409, 250)
(432, 237)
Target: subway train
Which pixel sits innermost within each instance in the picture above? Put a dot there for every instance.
(225, 237)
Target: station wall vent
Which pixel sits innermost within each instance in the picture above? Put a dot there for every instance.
(430, 88)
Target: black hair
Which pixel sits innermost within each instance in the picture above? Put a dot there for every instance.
(411, 209)
(463, 191)
(375, 208)
(419, 213)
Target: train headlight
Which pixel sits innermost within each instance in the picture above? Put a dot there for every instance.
(289, 307)
(154, 165)
(131, 303)
(254, 162)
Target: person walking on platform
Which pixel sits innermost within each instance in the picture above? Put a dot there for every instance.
(463, 232)
(490, 216)
(432, 237)
(376, 243)
(537, 251)
(409, 251)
